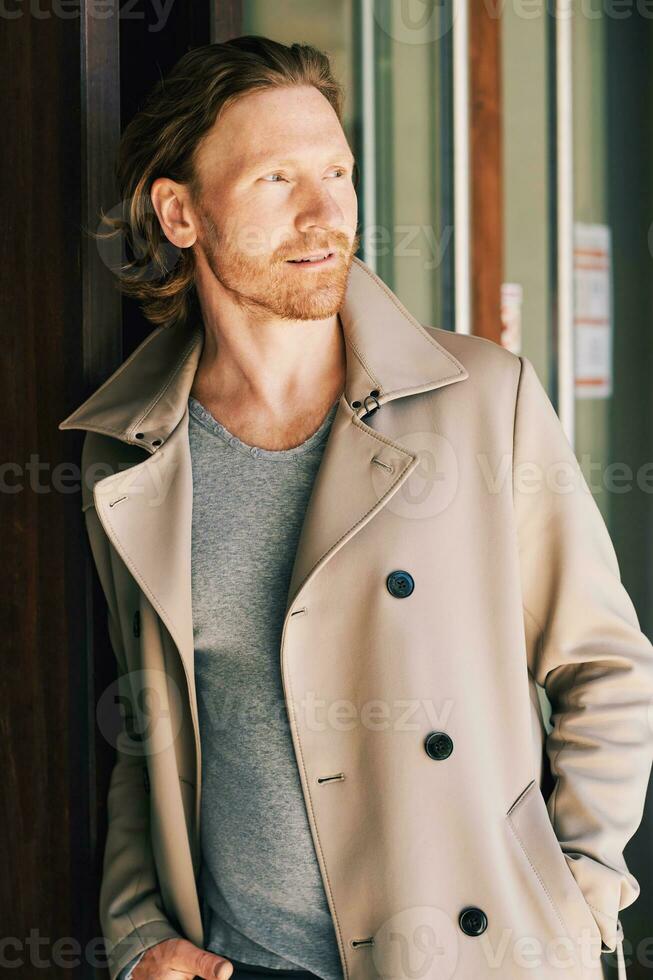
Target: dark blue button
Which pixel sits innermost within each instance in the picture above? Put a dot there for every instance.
(400, 584)
(472, 921)
(438, 745)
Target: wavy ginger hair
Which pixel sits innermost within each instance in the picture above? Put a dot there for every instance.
(161, 140)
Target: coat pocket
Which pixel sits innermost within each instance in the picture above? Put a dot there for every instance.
(533, 832)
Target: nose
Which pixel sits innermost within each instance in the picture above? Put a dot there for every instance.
(319, 209)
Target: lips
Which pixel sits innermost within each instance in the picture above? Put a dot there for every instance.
(315, 257)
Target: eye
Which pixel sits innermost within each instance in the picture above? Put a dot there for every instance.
(276, 178)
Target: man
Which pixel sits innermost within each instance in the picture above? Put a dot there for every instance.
(318, 505)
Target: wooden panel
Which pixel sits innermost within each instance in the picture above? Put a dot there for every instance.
(486, 168)
(227, 18)
(44, 842)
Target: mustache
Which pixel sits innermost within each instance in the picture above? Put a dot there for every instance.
(340, 245)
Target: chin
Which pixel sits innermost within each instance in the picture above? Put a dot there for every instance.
(308, 311)
(316, 304)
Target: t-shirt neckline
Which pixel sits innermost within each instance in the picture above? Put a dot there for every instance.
(202, 415)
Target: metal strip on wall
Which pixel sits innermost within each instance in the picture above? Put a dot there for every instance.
(461, 167)
(565, 216)
(368, 121)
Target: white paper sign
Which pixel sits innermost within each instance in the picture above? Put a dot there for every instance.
(511, 303)
(592, 311)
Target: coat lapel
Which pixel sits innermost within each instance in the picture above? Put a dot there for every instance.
(146, 510)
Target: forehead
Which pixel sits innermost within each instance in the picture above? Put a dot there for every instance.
(277, 123)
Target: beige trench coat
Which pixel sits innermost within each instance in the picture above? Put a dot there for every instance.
(441, 855)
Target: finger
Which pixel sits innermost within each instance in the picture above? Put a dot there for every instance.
(199, 962)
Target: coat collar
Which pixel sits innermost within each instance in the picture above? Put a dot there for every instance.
(144, 400)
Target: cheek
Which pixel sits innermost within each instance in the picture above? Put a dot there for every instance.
(261, 222)
(349, 204)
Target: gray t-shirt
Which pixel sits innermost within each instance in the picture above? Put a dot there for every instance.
(261, 890)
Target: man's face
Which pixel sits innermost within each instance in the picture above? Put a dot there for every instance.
(276, 184)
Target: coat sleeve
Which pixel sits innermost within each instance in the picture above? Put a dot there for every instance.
(586, 649)
(127, 971)
(132, 913)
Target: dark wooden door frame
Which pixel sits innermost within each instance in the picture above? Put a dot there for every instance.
(101, 353)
